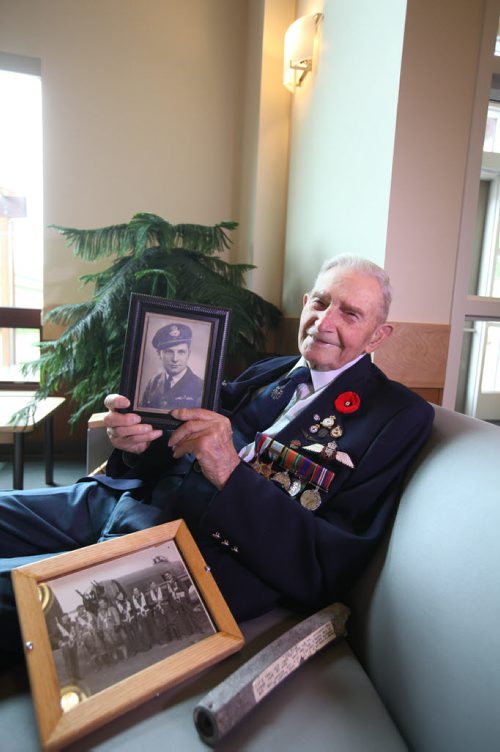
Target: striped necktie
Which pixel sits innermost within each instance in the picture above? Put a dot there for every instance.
(264, 409)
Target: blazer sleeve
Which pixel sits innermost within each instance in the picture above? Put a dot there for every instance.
(309, 557)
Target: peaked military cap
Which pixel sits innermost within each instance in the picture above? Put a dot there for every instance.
(172, 334)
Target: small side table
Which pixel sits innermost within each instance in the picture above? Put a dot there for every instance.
(10, 403)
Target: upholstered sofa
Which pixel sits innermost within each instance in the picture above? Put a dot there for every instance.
(420, 668)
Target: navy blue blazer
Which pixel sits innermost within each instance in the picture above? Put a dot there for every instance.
(261, 544)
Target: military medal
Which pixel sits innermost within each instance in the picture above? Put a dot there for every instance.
(283, 479)
(277, 392)
(266, 469)
(295, 487)
(263, 468)
(310, 499)
(297, 471)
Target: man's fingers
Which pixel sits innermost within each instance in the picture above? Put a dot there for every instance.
(116, 402)
(191, 429)
(193, 413)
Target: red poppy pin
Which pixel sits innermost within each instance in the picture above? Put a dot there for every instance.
(347, 402)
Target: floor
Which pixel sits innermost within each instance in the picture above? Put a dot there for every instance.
(65, 472)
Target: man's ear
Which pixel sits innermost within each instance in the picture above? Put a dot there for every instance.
(379, 336)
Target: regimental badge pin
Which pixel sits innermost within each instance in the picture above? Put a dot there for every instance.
(277, 392)
(330, 452)
(328, 422)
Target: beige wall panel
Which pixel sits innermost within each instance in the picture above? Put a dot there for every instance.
(142, 112)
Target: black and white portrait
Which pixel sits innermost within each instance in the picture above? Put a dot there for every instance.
(173, 363)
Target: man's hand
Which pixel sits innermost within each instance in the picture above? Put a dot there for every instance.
(125, 430)
(208, 436)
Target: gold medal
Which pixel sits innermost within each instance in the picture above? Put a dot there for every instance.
(256, 464)
(263, 468)
(266, 469)
(336, 432)
(311, 499)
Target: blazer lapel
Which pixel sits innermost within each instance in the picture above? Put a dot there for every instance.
(234, 394)
(307, 427)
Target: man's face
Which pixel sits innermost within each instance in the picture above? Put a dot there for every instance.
(175, 358)
(341, 319)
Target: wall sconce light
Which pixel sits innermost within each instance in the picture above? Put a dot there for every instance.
(299, 50)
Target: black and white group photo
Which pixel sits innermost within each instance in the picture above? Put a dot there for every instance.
(112, 620)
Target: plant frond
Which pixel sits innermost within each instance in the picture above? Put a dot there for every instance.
(152, 257)
(103, 241)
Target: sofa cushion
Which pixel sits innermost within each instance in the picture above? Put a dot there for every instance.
(328, 703)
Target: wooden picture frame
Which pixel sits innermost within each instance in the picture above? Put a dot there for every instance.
(67, 707)
(174, 356)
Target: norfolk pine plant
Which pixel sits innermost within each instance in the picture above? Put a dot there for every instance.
(152, 257)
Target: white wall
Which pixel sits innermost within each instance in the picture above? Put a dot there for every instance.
(177, 108)
(343, 128)
(436, 103)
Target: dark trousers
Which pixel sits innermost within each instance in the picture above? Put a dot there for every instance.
(44, 522)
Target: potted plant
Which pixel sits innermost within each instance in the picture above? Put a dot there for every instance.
(153, 257)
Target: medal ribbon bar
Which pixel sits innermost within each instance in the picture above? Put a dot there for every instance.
(291, 460)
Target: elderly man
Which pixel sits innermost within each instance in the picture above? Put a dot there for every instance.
(176, 385)
(288, 489)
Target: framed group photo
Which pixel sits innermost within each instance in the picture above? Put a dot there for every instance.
(109, 626)
(174, 357)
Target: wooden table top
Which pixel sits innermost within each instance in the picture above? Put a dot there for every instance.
(12, 401)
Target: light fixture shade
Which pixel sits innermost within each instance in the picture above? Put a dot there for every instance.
(299, 49)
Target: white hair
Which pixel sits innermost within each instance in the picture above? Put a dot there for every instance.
(364, 266)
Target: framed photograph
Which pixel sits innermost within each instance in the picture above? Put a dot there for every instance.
(174, 356)
(108, 626)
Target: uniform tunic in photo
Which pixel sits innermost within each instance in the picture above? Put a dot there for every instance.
(159, 393)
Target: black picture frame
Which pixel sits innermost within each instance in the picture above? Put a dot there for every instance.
(154, 321)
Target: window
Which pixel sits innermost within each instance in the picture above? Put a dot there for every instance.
(478, 391)
(21, 212)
